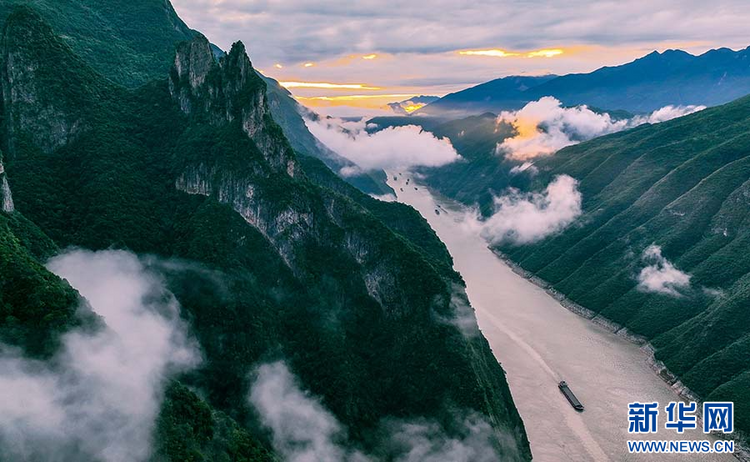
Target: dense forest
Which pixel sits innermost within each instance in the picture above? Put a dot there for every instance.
(279, 259)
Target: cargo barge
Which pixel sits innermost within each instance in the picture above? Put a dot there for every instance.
(570, 396)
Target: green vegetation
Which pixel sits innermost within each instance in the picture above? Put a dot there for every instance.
(278, 263)
(682, 185)
(35, 305)
(129, 42)
(189, 430)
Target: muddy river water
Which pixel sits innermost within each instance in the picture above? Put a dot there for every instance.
(539, 343)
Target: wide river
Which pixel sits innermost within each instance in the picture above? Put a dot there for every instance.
(540, 343)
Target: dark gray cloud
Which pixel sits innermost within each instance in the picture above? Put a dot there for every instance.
(295, 30)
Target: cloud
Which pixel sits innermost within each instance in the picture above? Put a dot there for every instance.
(666, 113)
(390, 148)
(661, 276)
(523, 218)
(98, 398)
(527, 167)
(426, 441)
(416, 42)
(462, 315)
(318, 30)
(305, 431)
(544, 126)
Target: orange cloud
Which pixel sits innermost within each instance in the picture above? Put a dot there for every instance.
(547, 53)
(495, 53)
(328, 86)
(498, 53)
(363, 101)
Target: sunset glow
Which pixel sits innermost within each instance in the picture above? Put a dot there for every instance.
(493, 53)
(360, 101)
(545, 53)
(413, 107)
(369, 57)
(497, 53)
(329, 86)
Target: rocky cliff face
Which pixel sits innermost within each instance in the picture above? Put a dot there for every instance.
(29, 107)
(229, 90)
(6, 199)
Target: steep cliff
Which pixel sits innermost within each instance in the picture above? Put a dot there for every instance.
(6, 197)
(193, 167)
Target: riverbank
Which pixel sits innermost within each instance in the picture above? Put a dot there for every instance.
(540, 343)
(742, 450)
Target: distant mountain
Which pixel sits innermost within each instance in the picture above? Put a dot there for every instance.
(684, 186)
(410, 105)
(658, 79)
(286, 260)
(495, 95)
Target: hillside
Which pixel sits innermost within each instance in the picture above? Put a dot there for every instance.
(129, 42)
(682, 186)
(658, 79)
(356, 296)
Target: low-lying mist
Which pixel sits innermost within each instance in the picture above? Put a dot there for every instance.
(393, 148)
(99, 397)
(527, 217)
(545, 126)
(303, 430)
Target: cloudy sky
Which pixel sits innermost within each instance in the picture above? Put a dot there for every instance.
(369, 52)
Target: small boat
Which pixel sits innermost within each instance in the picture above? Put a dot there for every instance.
(570, 396)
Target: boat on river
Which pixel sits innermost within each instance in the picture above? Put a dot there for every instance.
(563, 386)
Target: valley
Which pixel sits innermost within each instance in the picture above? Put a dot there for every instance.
(539, 343)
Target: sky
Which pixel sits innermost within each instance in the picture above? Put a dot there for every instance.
(345, 57)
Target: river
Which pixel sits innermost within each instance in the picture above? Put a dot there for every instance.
(539, 343)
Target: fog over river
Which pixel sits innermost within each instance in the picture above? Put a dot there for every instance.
(540, 343)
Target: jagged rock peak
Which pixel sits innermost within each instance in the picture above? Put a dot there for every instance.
(194, 60)
(229, 90)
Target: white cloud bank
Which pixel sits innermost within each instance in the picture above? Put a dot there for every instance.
(661, 276)
(523, 218)
(393, 148)
(544, 126)
(98, 398)
(426, 442)
(305, 431)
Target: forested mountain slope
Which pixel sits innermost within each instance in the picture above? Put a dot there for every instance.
(192, 166)
(684, 186)
(133, 42)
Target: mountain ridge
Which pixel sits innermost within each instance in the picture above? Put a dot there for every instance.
(643, 85)
(193, 167)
